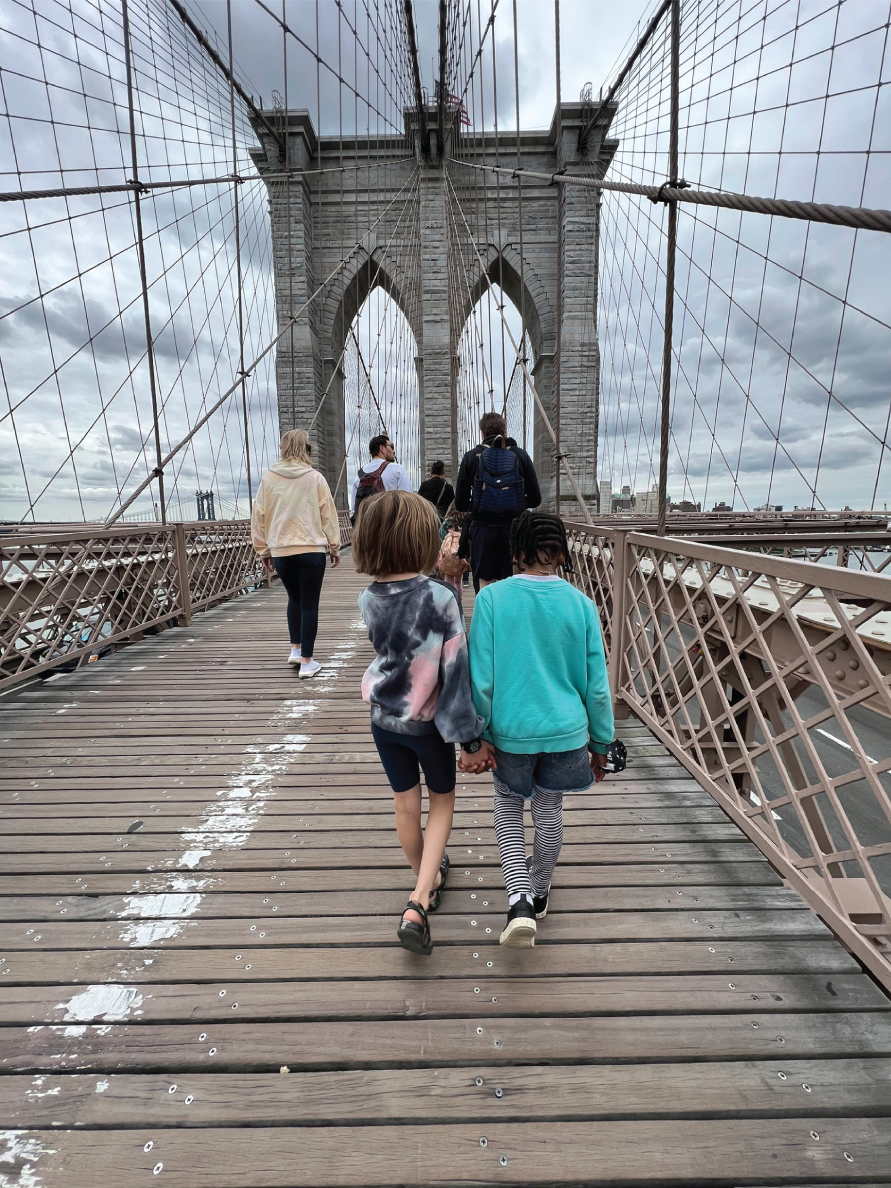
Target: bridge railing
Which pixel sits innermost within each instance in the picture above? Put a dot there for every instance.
(66, 595)
(764, 676)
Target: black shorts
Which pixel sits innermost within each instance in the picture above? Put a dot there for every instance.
(403, 756)
(490, 557)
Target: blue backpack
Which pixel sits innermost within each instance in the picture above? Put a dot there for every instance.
(498, 486)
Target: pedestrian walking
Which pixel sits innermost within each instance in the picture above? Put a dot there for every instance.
(437, 489)
(539, 680)
(293, 525)
(418, 687)
(386, 475)
(496, 483)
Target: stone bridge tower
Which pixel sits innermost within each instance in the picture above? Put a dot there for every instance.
(316, 218)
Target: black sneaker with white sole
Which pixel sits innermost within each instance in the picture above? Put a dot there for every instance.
(519, 931)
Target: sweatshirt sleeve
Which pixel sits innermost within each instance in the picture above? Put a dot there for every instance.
(258, 523)
(328, 514)
(464, 485)
(482, 659)
(456, 717)
(598, 702)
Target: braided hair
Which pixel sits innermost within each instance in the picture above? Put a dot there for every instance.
(539, 537)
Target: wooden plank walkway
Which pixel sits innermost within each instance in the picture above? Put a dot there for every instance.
(201, 988)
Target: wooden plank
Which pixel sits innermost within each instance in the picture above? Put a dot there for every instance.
(443, 998)
(123, 858)
(176, 930)
(690, 875)
(149, 838)
(230, 966)
(277, 815)
(739, 1088)
(219, 905)
(374, 788)
(654, 1151)
(427, 1042)
(152, 839)
(28, 805)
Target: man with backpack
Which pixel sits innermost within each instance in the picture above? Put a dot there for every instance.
(496, 483)
(383, 474)
(437, 490)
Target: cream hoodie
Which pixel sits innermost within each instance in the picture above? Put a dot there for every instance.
(294, 512)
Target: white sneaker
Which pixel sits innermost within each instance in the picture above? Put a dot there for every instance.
(309, 668)
(295, 657)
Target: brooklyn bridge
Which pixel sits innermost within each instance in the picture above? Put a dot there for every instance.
(364, 218)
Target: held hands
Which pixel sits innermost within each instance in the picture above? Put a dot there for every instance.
(335, 560)
(598, 763)
(268, 566)
(480, 761)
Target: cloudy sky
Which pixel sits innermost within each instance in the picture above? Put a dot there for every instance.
(781, 329)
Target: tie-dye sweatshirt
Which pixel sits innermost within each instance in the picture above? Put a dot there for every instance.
(419, 681)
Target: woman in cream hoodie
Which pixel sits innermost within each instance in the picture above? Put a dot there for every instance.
(294, 524)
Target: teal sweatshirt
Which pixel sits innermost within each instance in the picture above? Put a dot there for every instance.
(537, 667)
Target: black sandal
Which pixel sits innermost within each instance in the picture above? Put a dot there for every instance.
(415, 937)
(436, 893)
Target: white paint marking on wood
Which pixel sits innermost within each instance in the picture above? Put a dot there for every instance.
(109, 1003)
(36, 1090)
(26, 1149)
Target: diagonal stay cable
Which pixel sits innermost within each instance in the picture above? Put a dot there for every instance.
(266, 350)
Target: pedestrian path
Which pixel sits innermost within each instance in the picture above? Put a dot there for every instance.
(200, 985)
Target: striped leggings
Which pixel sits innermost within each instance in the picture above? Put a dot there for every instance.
(547, 817)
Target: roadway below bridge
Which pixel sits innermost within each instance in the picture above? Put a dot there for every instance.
(871, 824)
(200, 984)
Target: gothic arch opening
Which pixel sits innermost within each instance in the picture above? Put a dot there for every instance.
(489, 375)
(380, 385)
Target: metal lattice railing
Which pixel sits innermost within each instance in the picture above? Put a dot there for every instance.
(770, 680)
(64, 595)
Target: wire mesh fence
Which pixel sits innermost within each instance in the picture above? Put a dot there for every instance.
(781, 326)
(87, 349)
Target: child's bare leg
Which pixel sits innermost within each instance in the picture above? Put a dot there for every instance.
(407, 806)
(440, 811)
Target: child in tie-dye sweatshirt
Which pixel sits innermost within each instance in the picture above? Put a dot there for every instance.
(418, 687)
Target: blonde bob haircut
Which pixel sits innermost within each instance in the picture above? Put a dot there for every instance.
(296, 447)
(395, 532)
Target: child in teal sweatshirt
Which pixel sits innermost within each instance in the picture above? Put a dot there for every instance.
(539, 680)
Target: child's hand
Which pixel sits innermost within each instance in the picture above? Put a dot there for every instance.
(480, 761)
(598, 763)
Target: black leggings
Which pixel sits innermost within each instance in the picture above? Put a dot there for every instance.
(302, 575)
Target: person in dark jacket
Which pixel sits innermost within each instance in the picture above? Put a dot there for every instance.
(490, 552)
(437, 490)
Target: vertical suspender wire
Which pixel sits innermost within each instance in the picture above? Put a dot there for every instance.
(520, 218)
(238, 273)
(286, 136)
(334, 417)
(670, 253)
(498, 216)
(559, 335)
(140, 250)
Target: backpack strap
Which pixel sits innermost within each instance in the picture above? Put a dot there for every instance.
(380, 470)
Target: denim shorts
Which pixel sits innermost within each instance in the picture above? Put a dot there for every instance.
(549, 771)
